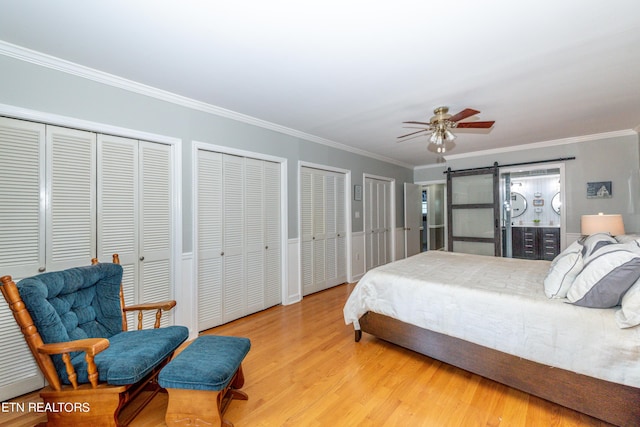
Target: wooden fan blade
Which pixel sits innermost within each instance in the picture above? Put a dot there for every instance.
(412, 133)
(410, 138)
(481, 125)
(418, 123)
(467, 112)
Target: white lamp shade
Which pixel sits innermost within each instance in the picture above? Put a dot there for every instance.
(592, 224)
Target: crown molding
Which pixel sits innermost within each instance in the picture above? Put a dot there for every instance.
(429, 166)
(544, 144)
(58, 64)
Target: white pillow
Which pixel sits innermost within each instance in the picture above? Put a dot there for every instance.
(563, 270)
(629, 314)
(595, 241)
(626, 238)
(606, 276)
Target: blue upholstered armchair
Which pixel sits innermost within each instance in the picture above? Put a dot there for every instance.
(74, 324)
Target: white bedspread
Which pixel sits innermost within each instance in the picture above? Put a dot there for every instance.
(499, 303)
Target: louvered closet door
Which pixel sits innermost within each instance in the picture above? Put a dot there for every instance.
(341, 230)
(371, 224)
(378, 225)
(22, 245)
(234, 285)
(384, 222)
(313, 221)
(323, 250)
(318, 183)
(335, 230)
(272, 227)
(134, 211)
(118, 209)
(254, 233)
(331, 232)
(210, 224)
(306, 231)
(155, 226)
(239, 250)
(71, 194)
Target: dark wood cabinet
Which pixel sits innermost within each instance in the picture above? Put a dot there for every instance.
(535, 242)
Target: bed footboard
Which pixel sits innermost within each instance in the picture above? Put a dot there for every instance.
(614, 403)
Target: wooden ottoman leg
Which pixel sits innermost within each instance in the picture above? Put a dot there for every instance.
(194, 408)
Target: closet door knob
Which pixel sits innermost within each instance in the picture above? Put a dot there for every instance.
(42, 269)
(141, 258)
(222, 253)
(266, 247)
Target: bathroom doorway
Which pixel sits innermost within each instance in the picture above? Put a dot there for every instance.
(531, 214)
(433, 230)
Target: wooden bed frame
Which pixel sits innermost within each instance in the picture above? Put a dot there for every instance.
(614, 403)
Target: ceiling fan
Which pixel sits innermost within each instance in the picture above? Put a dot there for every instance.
(440, 126)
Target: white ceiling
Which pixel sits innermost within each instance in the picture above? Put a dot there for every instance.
(351, 71)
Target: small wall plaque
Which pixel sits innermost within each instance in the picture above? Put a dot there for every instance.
(599, 190)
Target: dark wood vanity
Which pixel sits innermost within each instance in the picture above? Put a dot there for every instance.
(535, 242)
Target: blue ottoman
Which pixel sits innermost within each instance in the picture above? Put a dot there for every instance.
(203, 379)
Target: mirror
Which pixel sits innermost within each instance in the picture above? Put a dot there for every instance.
(518, 204)
(555, 203)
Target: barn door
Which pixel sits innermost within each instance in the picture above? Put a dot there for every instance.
(473, 211)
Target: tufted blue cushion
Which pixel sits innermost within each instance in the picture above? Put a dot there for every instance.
(81, 302)
(84, 302)
(131, 355)
(206, 364)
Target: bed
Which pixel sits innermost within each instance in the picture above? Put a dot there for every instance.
(499, 318)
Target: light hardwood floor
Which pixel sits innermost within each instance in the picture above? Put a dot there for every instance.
(304, 369)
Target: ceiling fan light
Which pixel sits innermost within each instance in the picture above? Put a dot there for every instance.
(448, 135)
(436, 137)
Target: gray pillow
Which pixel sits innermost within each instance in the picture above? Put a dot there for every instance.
(607, 275)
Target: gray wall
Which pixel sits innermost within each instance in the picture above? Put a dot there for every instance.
(33, 87)
(614, 159)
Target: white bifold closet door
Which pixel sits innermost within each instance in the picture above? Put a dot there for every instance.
(67, 196)
(323, 229)
(238, 236)
(377, 233)
(48, 222)
(134, 212)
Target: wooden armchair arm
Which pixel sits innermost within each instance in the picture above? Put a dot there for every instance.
(163, 305)
(158, 306)
(90, 346)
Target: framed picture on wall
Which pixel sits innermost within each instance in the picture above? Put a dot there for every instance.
(599, 190)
